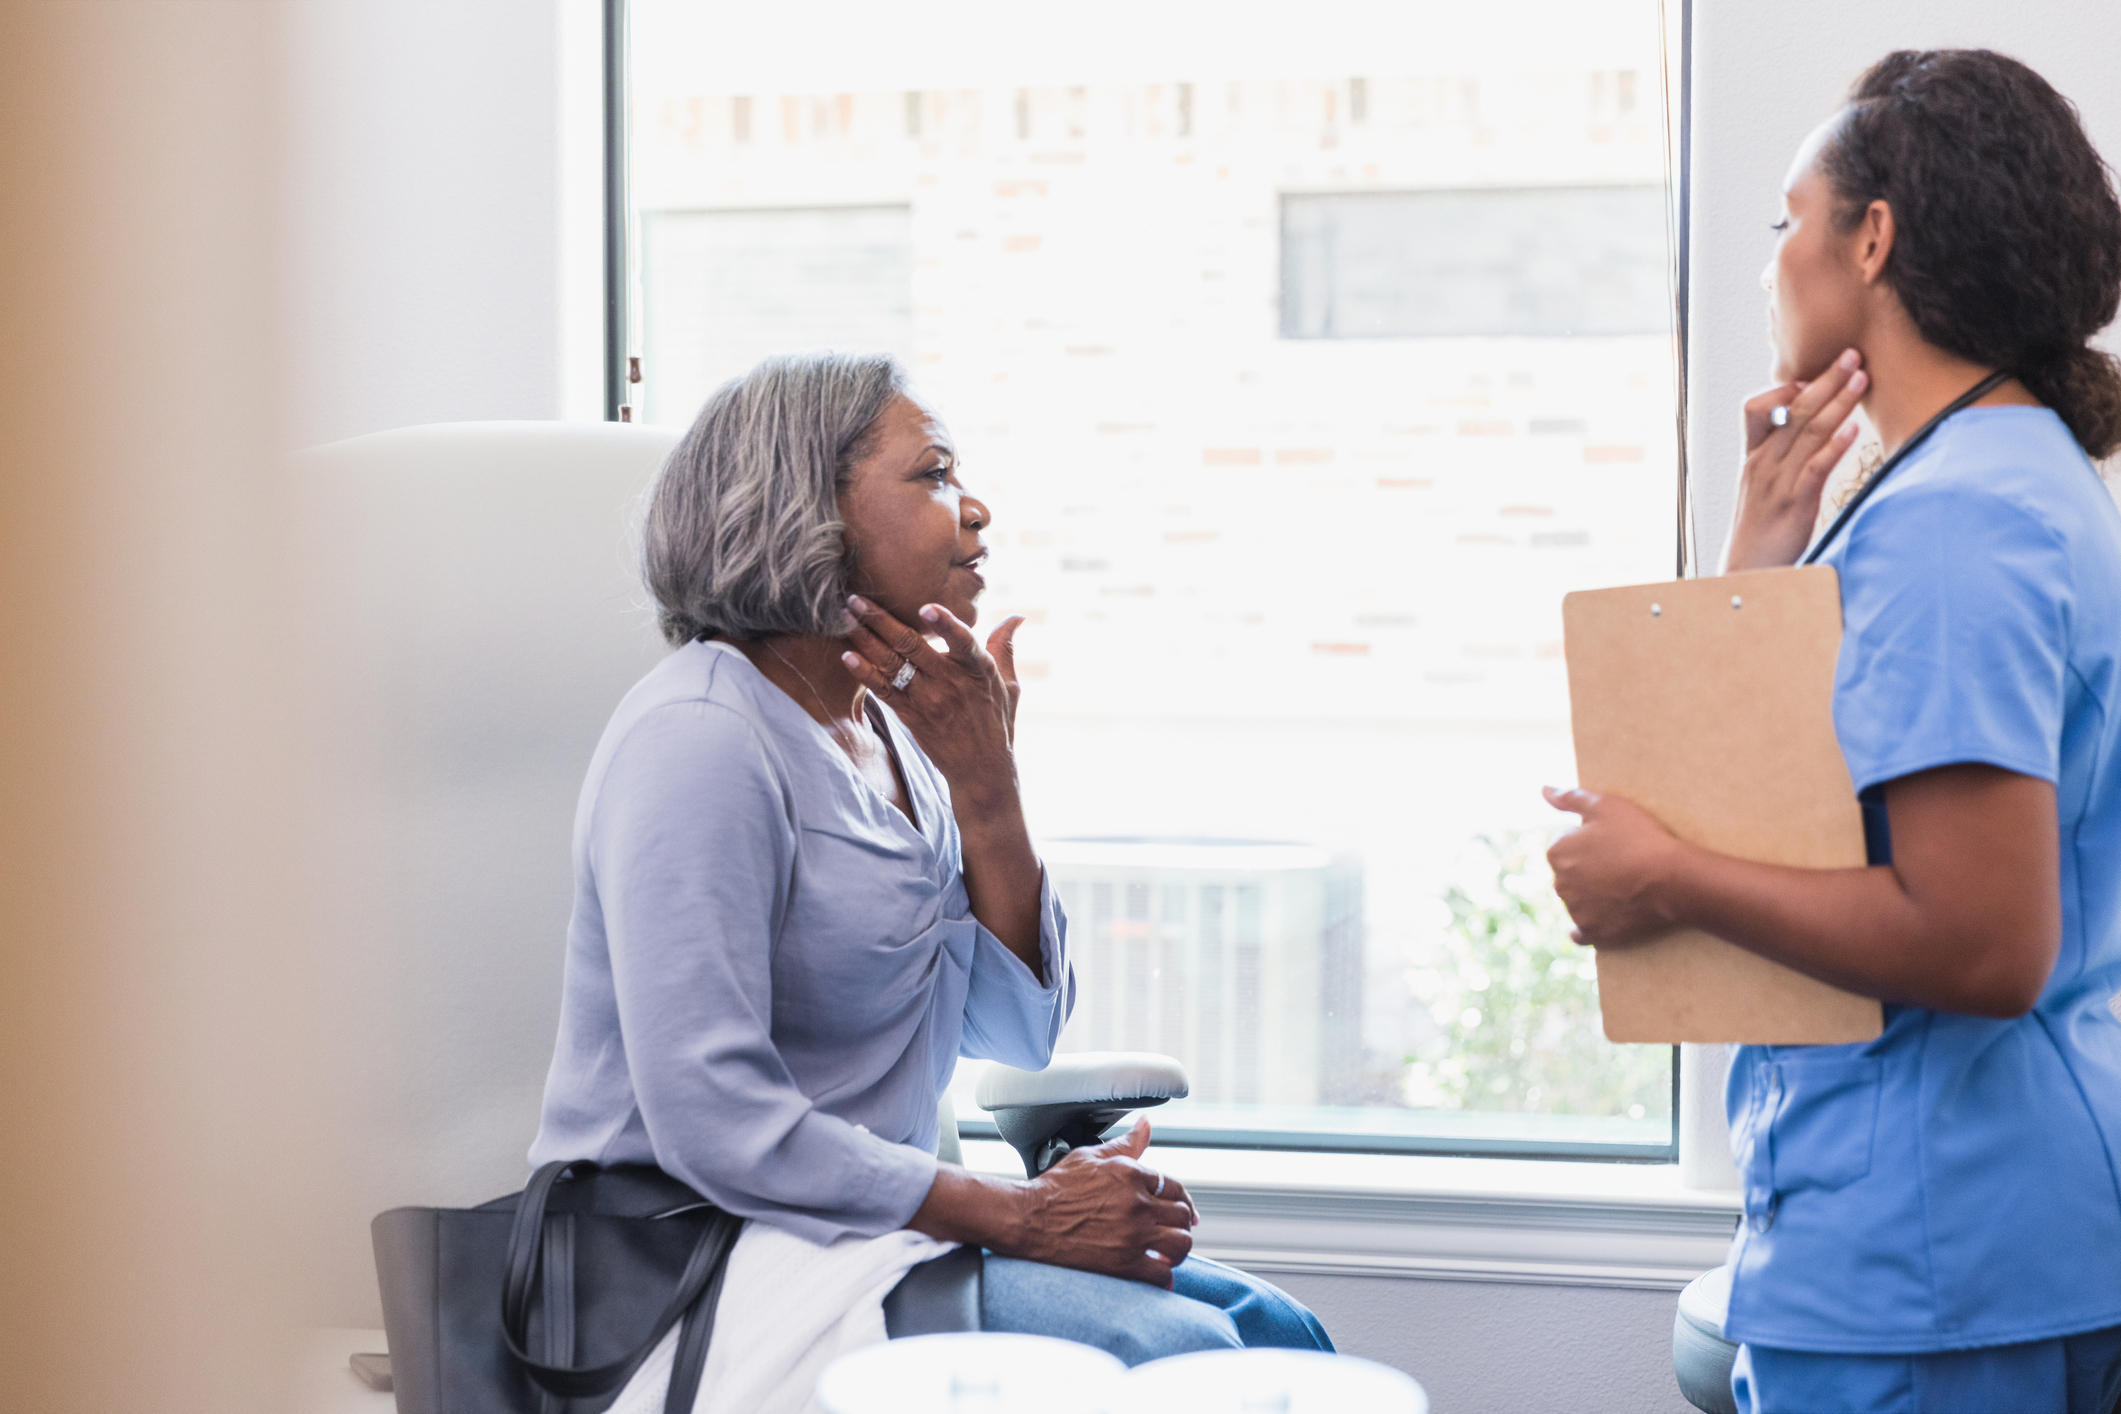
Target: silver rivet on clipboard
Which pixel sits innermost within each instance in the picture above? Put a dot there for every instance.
(1656, 610)
(1736, 602)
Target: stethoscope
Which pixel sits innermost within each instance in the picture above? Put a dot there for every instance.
(1965, 400)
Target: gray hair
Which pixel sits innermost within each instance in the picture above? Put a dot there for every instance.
(744, 537)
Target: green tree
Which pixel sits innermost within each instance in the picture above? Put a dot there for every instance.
(1516, 1004)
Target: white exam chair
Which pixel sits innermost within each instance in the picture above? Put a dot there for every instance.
(478, 615)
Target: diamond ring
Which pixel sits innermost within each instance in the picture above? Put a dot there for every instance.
(904, 676)
(1779, 417)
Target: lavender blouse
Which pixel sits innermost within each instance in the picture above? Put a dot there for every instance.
(771, 971)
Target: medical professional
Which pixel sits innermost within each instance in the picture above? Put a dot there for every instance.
(1932, 1219)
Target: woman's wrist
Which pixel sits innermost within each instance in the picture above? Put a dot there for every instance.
(979, 1210)
(1754, 546)
(991, 823)
(989, 794)
(1674, 878)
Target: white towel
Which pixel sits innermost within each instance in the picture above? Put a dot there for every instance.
(789, 1308)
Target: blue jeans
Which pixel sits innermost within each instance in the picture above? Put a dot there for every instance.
(1210, 1307)
(2078, 1374)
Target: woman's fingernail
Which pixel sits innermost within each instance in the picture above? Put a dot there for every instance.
(1859, 380)
(1851, 360)
(851, 660)
(931, 613)
(857, 603)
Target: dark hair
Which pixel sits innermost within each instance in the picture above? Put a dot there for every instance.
(2007, 245)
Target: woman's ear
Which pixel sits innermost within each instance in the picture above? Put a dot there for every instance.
(1872, 242)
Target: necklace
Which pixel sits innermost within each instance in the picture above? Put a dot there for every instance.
(845, 737)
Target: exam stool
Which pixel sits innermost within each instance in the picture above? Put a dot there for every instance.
(1701, 1357)
(1044, 1115)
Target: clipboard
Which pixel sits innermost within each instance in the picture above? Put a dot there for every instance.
(1709, 702)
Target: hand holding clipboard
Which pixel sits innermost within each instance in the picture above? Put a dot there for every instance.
(1709, 703)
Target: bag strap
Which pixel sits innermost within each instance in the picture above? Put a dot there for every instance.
(689, 1361)
(703, 1274)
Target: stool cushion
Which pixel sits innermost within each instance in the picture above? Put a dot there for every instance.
(1701, 1357)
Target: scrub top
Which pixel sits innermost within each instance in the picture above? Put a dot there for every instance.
(1957, 1182)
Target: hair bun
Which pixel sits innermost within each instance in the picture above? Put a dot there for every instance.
(2083, 385)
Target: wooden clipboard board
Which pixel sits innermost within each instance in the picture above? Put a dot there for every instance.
(1709, 702)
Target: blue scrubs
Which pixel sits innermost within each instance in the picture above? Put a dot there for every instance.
(1956, 1184)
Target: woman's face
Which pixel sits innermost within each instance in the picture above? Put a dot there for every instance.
(1817, 295)
(911, 525)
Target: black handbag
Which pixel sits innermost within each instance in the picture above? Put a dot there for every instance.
(546, 1301)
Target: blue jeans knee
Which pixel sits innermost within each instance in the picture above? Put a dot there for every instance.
(1263, 1313)
(1123, 1318)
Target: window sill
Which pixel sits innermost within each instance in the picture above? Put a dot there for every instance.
(1551, 1223)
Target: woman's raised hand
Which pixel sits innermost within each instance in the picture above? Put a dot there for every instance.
(1101, 1209)
(1786, 466)
(959, 704)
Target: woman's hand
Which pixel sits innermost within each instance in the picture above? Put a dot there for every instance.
(1099, 1209)
(1786, 467)
(1608, 871)
(1103, 1210)
(1967, 918)
(960, 705)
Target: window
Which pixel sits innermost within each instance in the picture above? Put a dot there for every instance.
(1537, 262)
(1307, 362)
(734, 286)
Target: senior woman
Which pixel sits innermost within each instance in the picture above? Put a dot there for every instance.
(804, 886)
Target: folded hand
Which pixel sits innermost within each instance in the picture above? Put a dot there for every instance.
(1101, 1209)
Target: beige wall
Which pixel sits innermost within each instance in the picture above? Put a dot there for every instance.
(161, 1122)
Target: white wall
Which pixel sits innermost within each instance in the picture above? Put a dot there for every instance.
(424, 249)
(1764, 76)
(1505, 1347)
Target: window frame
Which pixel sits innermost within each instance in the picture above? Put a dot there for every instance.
(622, 374)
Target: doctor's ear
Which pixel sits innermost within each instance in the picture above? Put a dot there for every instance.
(1873, 241)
